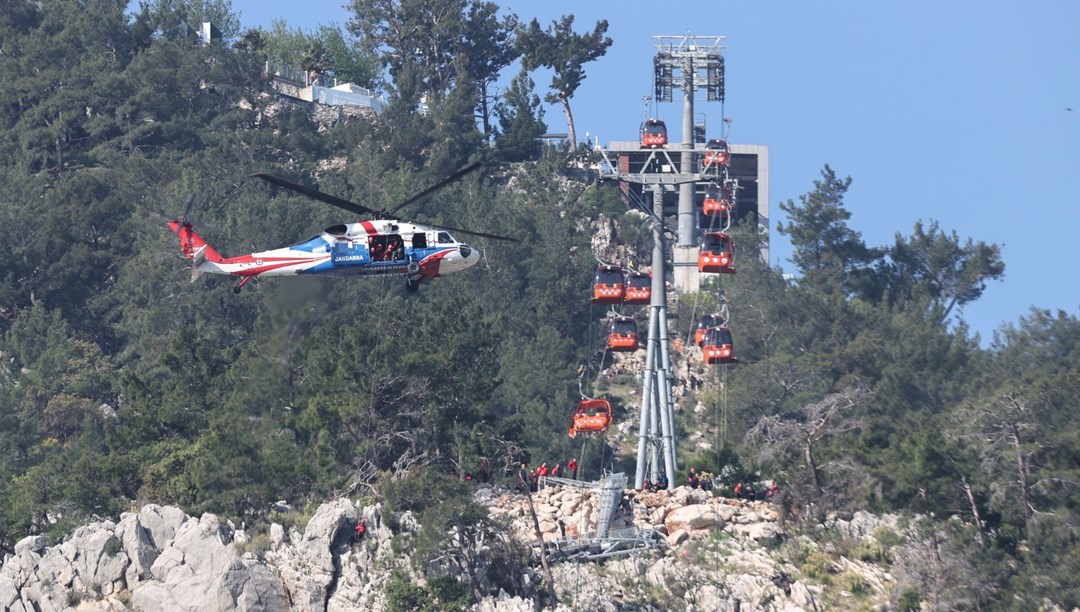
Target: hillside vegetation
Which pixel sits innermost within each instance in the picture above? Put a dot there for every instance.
(122, 383)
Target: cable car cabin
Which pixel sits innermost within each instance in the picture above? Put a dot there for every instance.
(703, 325)
(638, 287)
(608, 285)
(653, 134)
(591, 416)
(717, 254)
(718, 346)
(622, 335)
(717, 153)
(717, 201)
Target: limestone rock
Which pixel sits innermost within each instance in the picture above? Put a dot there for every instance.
(34, 543)
(308, 569)
(693, 517)
(802, 597)
(678, 537)
(277, 535)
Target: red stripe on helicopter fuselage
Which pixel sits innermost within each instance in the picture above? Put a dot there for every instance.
(369, 227)
(268, 263)
(429, 266)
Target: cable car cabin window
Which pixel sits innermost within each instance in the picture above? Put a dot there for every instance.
(703, 325)
(716, 243)
(639, 281)
(718, 336)
(655, 129)
(444, 238)
(623, 327)
(608, 275)
(419, 240)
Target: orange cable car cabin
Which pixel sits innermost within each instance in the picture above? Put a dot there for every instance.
(638, 287)
(653, 134)
(703, 325)
(717, 153)
(717, 200)
(622, 335)
(718, 346)
(591, 416)
(608, 285)
(717, 254)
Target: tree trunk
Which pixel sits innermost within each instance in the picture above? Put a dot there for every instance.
(974, 508)
(571, 134)
(1022, 472)
(809, 450)
(485, 112)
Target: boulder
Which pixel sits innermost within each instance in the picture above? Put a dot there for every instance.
(9, 593)
(101, 562)
(161, 523)
(802, 597)
(277, 535)
(138, 546)
(185, 571)
(307, 568)
(726, 512)
(247, 585)
(678, 537)
(693, 517)
(34, 543)
(758, 531)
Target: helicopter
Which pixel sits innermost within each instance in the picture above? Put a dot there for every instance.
(380, 246)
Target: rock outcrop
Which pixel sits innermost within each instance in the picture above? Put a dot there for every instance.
(717, 551)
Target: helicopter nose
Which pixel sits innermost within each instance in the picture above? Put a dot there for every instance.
(469, 255)
(456, 261)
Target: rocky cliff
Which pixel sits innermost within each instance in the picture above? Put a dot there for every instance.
(714, 552)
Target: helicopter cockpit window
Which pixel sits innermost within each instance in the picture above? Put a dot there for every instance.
(445, 238)
(337, 230)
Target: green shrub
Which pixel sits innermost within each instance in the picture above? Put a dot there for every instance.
(259, 544)
(871, 552)
(817, 565)
(887, 537)
(908, 602)
(853, 583)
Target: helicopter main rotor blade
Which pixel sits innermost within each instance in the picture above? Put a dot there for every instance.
(437, 186)
(352, 207)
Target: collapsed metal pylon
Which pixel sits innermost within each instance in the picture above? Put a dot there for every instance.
(605, 542)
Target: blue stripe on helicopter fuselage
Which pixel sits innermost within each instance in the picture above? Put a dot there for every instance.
(358, 268)
(357, 263)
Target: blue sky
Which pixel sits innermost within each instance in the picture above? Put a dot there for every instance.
(947, 111)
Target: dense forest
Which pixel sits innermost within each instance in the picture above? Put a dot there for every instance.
(122, 383)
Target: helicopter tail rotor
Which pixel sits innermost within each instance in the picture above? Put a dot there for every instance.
(192, 245)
